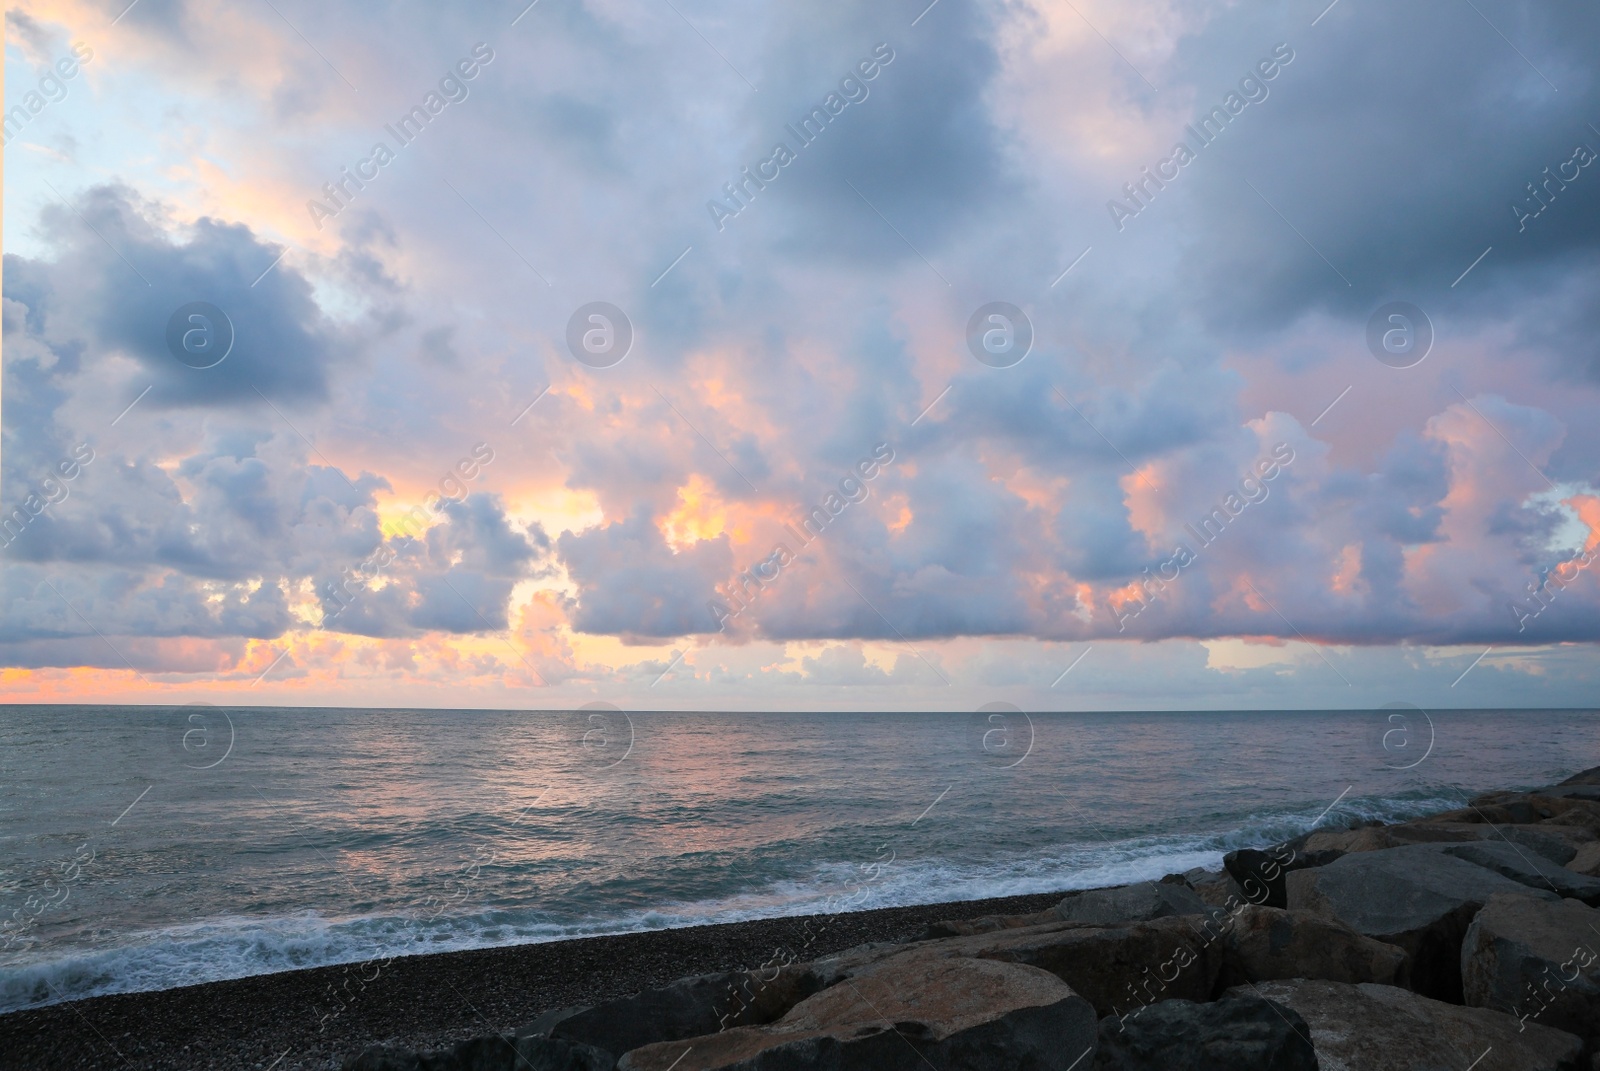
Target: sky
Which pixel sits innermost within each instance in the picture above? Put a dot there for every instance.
(679, 354)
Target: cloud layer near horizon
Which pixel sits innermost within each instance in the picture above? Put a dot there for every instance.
(800, 487)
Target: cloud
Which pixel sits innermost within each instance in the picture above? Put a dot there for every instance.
(267, 503)
(631, 584)
(119, 278)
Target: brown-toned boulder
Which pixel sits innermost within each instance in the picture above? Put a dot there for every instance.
(907, 1013)
(1416, 897)
(1381, 1028)
(1365, 839)
(1537, 961)
(1586, 860)
(1115, 968)
(1266, 943)
(1587, 818)
(1557, 843)
(1522, 808)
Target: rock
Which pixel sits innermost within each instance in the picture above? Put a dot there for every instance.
(684, 1009)
(1529, 868)
(1119, 968)
(1172, 895)
(1416, 897)
(1381, 1028)
(1556, 843)
(1585, 861)
(1537, 961)
(495, 1053)
(1591, 776)
(1232, 1034)
(1218, 890)
(1588, 818)
(1573, 792)
(1368, 839)
(1519, 808)
(1261, 873)
(1130, 903)
(1265, 943)
(1114, 968)
(907, 1013)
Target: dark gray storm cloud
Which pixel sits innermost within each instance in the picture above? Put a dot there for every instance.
(1403, 141)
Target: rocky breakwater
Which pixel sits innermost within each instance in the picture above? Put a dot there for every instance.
(1464, 940)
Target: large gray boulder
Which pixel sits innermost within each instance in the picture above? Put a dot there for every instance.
(1381, 1028)
(1130, 903)
(1265, 943)
(907, 1013)
(1235, 1033)
(1537, 961)
(1528, 868)
(1417, 898)
(684, 1009)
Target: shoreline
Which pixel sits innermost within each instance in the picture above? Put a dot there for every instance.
(1312, 918)
(431, 1000)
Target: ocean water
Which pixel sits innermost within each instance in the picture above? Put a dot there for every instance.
(146, 847)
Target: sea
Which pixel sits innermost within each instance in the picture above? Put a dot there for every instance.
(144, 847)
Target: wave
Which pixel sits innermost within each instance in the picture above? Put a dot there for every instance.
(240, 946)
